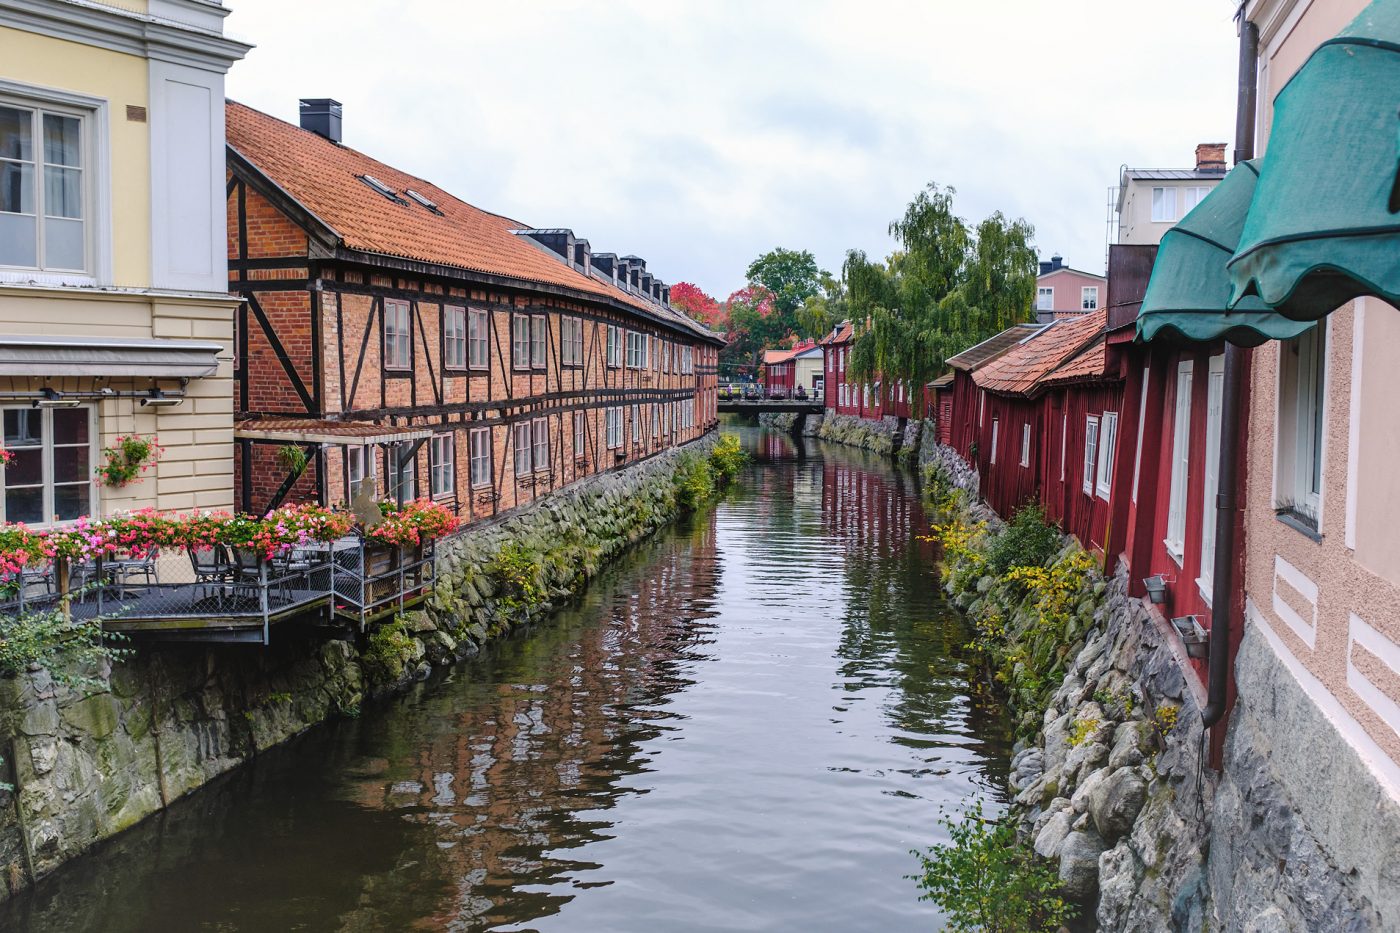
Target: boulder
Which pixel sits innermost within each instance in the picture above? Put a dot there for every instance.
(1080, 800)
(1052, 835)
(1130, 744)
(1079, 864)
(1116, 801)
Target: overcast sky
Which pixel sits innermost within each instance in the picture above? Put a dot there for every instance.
(700, 134)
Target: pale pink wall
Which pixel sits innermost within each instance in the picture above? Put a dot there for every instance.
(1067, 283)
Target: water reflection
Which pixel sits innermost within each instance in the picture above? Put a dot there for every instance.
(745, 726)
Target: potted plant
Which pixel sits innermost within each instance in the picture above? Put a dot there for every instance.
(128, 457)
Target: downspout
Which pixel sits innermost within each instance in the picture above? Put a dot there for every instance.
(1232, 396)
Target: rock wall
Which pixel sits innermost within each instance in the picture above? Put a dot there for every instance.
(778, 420)
(1112, 781)
(86, 763)
(883, 436)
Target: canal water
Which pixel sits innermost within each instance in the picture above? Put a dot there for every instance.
(747, 724)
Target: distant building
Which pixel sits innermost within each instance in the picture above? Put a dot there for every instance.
(1061, 291)
(1149, 201)
(797, 366)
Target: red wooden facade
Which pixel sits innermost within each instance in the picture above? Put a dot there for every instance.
(373, 297)
(779, 371)
(874, 400)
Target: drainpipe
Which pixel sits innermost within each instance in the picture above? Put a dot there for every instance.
(1232, 398)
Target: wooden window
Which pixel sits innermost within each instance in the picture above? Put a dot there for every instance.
(478, 350)
(1298, 464)
(1064, 442)
(1164, 205)
(1045, 299)
(666, 356)
(655, 422)
(1181, 461)
(580, 435)
(480, 439)
(1025, 445)
(50, 477)
(403, 473)
(520, 341)
(636, 350)
(1089, 298)
(1215, 391)
(398, 337)
(356, 458)
(1091, 454)
(1142, 420)
(996, 425)
(1108, 447)
(524, 449)
(454, 338)
(541, 432)
(46, 191)
(571, 341)
(442, 464)
(614, 355)
(539, 341)
(614, 434)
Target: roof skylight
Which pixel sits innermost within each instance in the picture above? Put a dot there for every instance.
(382, 188)
(423, 201)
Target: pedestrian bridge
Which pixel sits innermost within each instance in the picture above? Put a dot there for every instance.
(758, 406)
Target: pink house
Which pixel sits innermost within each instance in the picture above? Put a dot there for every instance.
(1063, 292)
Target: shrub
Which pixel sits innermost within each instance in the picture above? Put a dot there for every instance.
(387, 652)
(66, 647)
(1027, 541)
(517, 571)
(695, 481)
(727, 458)
(985, 880)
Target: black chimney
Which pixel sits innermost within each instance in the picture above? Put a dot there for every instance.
(321, 115)
(1057, 262)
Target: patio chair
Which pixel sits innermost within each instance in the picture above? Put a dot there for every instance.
(126, 570)
(212, 567)
(247, 574)
(290, 568)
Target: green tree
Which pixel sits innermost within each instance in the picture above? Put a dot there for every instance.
(824, 310)
(946, 288)
(790, 276)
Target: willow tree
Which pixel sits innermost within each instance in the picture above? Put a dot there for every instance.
(946, 288)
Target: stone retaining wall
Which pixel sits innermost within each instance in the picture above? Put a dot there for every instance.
(883, 436)
(87, 764)
(1114, 786)
(779, 420)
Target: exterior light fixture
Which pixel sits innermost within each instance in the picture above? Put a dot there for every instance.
(1193, 635)
(158, 399)
(52, 398)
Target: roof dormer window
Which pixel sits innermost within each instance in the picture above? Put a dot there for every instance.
(382, 188)
(421, 199)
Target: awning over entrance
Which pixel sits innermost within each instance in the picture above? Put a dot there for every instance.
(312, 431)
(1188, 296)
(1323, 227)
(31, 355)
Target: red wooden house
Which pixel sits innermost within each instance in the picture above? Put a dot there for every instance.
(966, 409)
(875, 399)
(394, 333)
(1014, 432)
(779, 371)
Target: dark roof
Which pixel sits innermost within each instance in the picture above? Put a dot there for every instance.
(992, 347)
(942, 381)
(1170, 174)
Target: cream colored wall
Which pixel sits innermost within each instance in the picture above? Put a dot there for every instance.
(120, 79)
(1289, 32)
(806, 368)
(1135, 224)
(196, 470)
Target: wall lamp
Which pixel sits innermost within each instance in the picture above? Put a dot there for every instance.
(1193, 635)
(158, 399)
(52, 398)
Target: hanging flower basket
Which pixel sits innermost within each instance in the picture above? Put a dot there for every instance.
(126, 459)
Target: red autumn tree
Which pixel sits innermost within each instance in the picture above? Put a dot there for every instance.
(693, 301)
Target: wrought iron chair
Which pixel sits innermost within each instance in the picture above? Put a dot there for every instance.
(212, 568)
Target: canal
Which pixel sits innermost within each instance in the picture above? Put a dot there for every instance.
(745, 725)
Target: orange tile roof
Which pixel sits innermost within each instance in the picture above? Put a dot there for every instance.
(1020, 369)
(845, 333)
(1085, 366)
(324, 178)
(780, 356)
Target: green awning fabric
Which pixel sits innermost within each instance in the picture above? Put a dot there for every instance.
(1188, 296)
(1322, 228)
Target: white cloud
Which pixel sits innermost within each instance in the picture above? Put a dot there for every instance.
(699, 134)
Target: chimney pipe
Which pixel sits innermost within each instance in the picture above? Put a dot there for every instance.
(321, 115)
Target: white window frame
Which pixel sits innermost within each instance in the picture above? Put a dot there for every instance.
(482, 459)
(1064, 442)
(614, 428)
(97, 193)
(1299, 460)
(655, 422)
(540, 429)
(520, 342)
(1142, 420)
(478, 344)
(46, 473)
(1181, 463)
(398, 335)
(1108, 449)
(1164, 205)
(539, 341)
(1089, 298)
(1192, 196)
(1215, 394)
(1045, 298)
(356, 456)
(614, 347)
(442, 464)
(1091, 454)
(996, 425)
(401, 474)
(1025, 460)
(523, 442)
(580, 435)
(454, 337)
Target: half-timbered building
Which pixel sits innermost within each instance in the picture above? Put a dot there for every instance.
(392, 332)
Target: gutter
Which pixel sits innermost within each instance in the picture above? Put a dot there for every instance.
(1232, 398)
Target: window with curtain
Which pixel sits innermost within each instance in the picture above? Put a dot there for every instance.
(1164, 205)
(44, 222)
